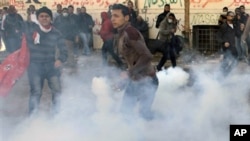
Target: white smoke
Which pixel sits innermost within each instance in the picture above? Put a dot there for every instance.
(201, 111)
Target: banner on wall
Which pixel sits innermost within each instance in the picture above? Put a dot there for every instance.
(90, 4)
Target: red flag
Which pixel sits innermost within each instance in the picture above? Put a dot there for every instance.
(13, 67)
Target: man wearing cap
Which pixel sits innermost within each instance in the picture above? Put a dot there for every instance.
(43, 41)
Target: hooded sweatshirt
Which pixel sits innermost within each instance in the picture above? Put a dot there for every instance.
(165, 29)
(106, 31)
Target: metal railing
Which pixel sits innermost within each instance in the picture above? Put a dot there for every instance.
(204, 39)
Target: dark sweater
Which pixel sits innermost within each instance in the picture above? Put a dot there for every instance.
(45, 51)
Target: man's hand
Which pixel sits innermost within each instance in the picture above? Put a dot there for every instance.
(243, 41)
(173, 30)
(226, 44)
(58, 64)
(242, 26)
(122, 82)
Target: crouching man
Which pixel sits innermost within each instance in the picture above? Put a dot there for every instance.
(140, 73)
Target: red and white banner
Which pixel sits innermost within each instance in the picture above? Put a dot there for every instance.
(13, 67)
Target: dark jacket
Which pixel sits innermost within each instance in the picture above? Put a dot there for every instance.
(132, 48)
(12, 25)
(243, 18)
(67, 26)
(132, 16)
(106, 31)
(228, 34)
(45, 51)
(142, 26)
(160, 18)
(85, 23)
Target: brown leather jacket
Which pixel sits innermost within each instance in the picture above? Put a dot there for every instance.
(131, 47)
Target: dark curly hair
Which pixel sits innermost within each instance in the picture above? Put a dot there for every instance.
(125, 10)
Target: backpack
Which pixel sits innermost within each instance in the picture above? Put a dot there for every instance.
(179, 43)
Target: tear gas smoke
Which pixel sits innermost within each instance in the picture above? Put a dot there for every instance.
(202, 111)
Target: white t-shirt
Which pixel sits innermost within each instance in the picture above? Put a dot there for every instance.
(3, 18)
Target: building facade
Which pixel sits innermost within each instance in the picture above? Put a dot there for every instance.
(202, 12)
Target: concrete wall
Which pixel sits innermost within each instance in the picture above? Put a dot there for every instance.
(202, 12)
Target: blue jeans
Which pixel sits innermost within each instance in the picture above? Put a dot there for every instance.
(229, 62)
(244, 48)
(143, 92)
(37, 73)
(85, 37)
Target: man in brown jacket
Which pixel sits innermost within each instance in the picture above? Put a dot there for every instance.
(140, 73)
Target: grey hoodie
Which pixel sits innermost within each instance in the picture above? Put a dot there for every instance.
(166, 28)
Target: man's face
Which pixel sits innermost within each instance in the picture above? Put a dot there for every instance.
(78, 10)
(171, 17)
(32, 8)
(237, 11)
(83, 10)
(130, 5)
(71, 10)
(167, 8)
(230, 16)
(118, 19)
(44, 19)
(59, 7)
(242, 9)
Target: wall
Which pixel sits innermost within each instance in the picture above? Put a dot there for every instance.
(202, 12)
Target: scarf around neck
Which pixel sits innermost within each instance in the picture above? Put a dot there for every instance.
(45, 29)
(36, 35)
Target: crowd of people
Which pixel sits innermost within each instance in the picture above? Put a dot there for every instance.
(125, 37)
(55, 39)
(233, 37)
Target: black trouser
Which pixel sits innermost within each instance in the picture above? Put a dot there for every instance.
(107, 47)
(168, 52)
